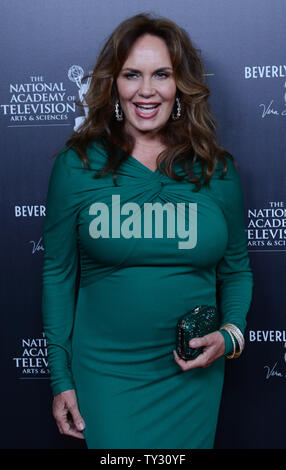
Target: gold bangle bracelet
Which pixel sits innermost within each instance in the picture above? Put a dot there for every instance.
(235, 331)
(238, 336)
(230, 356)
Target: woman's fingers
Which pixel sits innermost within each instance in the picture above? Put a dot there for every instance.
(213, 345)
(200, 361)
(67, 415)
(200, 342)
(69, 428)
(76, 417)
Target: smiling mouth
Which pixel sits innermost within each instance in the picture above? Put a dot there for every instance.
(147, 109)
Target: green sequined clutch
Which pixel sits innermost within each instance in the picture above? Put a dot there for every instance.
(198, 322)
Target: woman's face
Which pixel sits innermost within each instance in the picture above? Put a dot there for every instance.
(146, 78)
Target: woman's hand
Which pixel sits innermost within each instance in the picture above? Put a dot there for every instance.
(67, 415)
(214, 347)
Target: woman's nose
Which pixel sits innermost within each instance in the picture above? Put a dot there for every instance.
(146, 87)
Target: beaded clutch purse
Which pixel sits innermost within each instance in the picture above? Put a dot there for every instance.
(198, 322)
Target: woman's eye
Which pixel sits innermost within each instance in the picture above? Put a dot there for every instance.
(163, 74)
(130, 75)
(160, 74)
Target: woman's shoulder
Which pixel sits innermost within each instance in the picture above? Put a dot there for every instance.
(228, 188)
(228, 162)
(227, 173)
(68, 158)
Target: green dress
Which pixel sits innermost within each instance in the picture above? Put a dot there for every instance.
(112, 340)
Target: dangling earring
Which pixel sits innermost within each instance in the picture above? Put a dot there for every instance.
(119, 116)
(177, 116)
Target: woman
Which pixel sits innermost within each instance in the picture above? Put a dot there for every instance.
(116, 378)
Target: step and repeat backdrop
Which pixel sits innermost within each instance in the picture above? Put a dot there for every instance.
(47, 47)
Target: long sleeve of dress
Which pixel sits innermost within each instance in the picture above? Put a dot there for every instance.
(59, 272)
(234, 272)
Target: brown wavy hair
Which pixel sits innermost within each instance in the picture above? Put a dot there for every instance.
(188, 139)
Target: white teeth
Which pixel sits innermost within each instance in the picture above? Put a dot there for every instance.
(146, 105)
(146, 108)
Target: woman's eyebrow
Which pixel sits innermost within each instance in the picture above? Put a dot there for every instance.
(138, 71)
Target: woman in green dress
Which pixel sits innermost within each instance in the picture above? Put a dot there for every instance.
(120, 268)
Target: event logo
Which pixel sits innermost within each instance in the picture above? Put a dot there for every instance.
(37, 245)
(32, 211)
(31, 360)
(267, 228)
(275, 368)
(41, 102)
(76, 74)
(265, 71)
(262, 336)
(256, 72)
